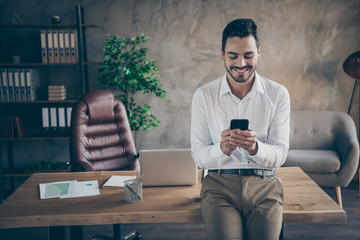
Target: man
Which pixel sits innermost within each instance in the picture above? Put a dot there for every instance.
(240, 197)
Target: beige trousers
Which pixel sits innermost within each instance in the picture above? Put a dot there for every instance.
(237, 207)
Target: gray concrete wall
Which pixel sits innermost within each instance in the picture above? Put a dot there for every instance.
(303, 46)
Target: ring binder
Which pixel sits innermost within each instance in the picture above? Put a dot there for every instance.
(45, 120)
(43, 46)
(50, 46)
(10, 78)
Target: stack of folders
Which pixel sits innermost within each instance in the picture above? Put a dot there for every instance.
(18, 84)
(59, 46)
(57, 92)
(56, 120)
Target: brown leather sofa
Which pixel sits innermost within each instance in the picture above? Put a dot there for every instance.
(324, 144)
(101, 138)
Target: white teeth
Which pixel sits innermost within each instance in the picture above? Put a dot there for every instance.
(240, 70)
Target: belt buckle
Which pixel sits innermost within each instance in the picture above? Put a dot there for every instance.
(258, 172)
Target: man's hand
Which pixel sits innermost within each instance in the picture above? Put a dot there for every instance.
(225, 144)
(230, 139)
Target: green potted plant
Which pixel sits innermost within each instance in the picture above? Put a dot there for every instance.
(126, 68)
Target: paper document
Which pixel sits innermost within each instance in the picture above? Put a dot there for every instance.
(56, 189)
(117, 181)
(69, 189)
(83, 189)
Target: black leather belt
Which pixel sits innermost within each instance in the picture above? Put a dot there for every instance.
(246, 172)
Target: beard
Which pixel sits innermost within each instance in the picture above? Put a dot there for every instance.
(241, 79)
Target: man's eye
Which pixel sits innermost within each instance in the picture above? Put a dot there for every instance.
(248, 56)
(232, 57)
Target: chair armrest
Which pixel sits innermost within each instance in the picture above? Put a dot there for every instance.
(347, 146)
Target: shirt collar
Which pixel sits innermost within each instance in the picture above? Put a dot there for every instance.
(257, 86)
(224, 86)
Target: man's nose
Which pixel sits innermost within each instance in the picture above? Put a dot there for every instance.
(242, 62)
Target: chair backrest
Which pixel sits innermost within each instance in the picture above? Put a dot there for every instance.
(310, 129)
(101, 137)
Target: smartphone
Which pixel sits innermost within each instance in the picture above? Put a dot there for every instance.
(242, 124)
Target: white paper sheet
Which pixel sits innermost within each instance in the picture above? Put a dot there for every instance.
(84, 189)
(56, 189)
(117, 181)
(69, 189)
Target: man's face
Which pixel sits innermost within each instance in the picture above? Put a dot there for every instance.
(240, 58)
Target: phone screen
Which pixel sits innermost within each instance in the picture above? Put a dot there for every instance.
(242, 124)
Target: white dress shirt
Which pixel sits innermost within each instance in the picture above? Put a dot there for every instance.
(266, 106)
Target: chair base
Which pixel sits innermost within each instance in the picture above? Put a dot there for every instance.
(118, 234)
(132, 236)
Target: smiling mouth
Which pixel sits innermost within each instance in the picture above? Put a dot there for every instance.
(240, 70)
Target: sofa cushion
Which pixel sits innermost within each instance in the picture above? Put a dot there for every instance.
(319, 161)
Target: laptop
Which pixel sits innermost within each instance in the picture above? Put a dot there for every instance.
(168, 167)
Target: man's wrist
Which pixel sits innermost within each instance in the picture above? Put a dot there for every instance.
(228, 152)
(254, 151)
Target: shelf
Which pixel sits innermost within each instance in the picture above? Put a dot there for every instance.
(45, 64)
(39, 102)
(22, 172)
(25, 38)
(15, 173)
(33, 138)
(46, 25)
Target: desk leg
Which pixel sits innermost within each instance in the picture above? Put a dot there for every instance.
(1, 187)
(76, 233)
(118, 232)
(281, 237)
(56, 233)
(11, 164)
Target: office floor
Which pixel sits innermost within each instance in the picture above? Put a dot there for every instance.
(195, 231)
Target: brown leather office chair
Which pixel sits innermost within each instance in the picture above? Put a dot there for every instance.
(100, 134)
(101, 140)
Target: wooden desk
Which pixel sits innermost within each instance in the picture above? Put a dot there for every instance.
(304, 202)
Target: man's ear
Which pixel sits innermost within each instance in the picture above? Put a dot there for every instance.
(222, 54)
(259, 53)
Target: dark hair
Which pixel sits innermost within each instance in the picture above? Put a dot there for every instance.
(240, 28)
